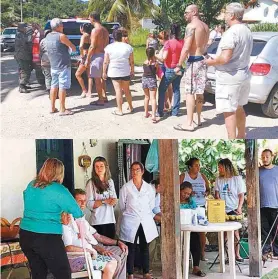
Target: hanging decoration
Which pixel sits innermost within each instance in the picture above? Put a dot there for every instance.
(85, 161)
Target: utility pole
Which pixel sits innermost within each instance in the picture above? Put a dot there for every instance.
(21, 15)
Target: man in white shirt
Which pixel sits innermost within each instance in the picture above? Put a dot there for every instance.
(232, 71)
(114, 248)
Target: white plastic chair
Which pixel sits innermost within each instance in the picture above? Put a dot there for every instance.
(90, 272)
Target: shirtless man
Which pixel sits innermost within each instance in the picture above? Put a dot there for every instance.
(195, 42)
(95, 58)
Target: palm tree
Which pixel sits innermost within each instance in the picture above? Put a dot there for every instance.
(123, 11)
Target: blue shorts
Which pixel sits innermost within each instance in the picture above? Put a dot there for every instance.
(61, 78)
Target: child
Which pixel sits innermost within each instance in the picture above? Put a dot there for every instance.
(188, 202)
(149, 83)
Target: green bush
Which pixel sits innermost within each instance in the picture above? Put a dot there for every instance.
(264, 27)
(139, 37)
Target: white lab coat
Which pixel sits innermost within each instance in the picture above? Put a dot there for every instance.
(137, 209)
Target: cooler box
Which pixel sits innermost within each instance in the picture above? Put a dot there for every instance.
(244, 248)
(186, 216)
(216, 211)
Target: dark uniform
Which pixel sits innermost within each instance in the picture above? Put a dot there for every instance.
(23, 55)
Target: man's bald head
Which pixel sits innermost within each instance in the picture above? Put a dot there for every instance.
(193, 8)
(191, 11)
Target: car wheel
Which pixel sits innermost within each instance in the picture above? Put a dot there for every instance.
(40, 77)
(270, 107)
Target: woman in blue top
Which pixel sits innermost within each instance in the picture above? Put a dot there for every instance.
(188, 202)
(45, 199)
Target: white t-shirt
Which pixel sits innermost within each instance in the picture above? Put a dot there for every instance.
(213, 35)
(71, 231)
(238, 38)
(119, 59)
(105, 213)
(229, 189)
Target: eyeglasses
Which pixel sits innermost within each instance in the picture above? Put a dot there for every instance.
(136, 170)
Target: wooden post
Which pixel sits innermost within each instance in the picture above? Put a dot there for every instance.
(170, 208)
(253, 208)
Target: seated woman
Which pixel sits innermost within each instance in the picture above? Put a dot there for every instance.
(73, 243)
(188, 202)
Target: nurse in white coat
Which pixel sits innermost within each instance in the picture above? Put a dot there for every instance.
(137, 200)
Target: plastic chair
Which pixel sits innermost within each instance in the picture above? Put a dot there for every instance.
(90, 272)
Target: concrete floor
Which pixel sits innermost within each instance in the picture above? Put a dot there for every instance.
(22, 273)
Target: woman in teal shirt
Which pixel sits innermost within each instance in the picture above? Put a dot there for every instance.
(187, 201)
(45, 199)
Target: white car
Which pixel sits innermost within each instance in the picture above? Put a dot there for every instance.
(264, 70)
(7, 38)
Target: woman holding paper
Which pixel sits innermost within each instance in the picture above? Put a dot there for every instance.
(200, 185)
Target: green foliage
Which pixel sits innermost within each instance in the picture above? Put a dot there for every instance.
(40, 11)
(139, 55)
(265, 27)
(122, 10)
(209, 152)
(139, 37)
(173, 11)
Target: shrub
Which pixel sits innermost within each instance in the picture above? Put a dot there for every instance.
(139, 37)
(264, 27)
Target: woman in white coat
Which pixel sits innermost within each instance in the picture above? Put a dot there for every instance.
(101, 197)
(137, 200)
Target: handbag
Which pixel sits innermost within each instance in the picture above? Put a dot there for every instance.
(152, 160)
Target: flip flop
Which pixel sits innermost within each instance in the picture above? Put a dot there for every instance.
(83, 95)
(154, 121)
(55, 110)
(105, 100)
(115, 112)
(199, 273)
(66, 113)
(180, 128)
(96, 103)
(148, 115)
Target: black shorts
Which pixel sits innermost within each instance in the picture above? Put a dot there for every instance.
(127, 78)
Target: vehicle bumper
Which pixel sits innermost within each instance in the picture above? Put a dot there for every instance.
(259, 89)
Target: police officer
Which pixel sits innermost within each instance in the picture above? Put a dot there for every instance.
(23, 55)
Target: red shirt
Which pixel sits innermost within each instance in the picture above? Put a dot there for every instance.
(174, 48)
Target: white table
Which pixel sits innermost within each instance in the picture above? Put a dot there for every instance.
(220, 228)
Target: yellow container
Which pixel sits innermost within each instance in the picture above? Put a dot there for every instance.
(216, 211)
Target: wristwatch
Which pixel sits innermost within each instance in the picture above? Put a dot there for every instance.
(178, 66)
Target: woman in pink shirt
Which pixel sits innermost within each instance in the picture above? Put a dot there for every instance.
(171, 55)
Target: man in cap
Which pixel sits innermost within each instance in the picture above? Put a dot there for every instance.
(23, 55)
(111, 38)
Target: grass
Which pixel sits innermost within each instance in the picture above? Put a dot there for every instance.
(138, 37)
(139, 55)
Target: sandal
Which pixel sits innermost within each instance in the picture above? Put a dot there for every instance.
(180, 128)
(147, 276)
(148, 115)
(55, 110)
(66, 112)
(154, 120)
(116, 112)
(199, 273)
(83, 95)
(96, 103)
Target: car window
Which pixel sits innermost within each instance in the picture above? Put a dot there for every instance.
(9, 31)
(70, 28)
(258, 46)
(109, 26)
(213, 47)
